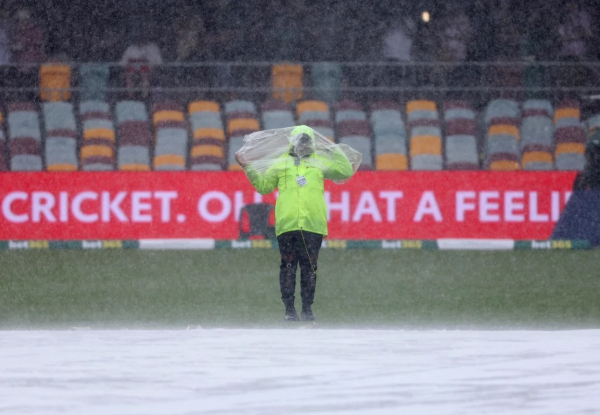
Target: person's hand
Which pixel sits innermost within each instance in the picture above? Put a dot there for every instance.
(241, 160)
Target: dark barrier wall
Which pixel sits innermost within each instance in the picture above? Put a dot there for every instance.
(581, 218)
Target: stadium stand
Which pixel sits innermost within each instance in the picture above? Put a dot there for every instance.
(208, 144)
(460, 132)
(25, 137)
(61, 136)
(389, 136)
(171, 136)
(134, 136)
(99, 143)
(502, 117)
(425, 135)
(287, 82)
(504, 135)
(569, 136)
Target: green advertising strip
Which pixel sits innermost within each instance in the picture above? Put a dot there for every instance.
(272, 244)
(332, 244)
(42, 244)
(535, 245)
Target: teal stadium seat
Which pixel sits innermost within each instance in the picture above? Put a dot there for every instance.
(460, 132)
(25, 137)
(93, 81)
(326, 78)
(277, 114)
(61, 136)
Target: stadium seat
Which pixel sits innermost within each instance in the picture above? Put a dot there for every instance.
(94, 106)
(537, 160)
(537, 132)
(23, 121)
(203, 106)
(503, 165)
(238, 125)
(357, 134)
(133, 153)
(312, 110)
(277, 114)
(390, 151)
(327, 81)
(208, 148)
(392, 161)
(93, 81)
(24, 137)
(461, 152)
(55, 82)
(502, 109)
(61, 136)
(98, 145)
(207, 157)
(130, 111)
(386, 119)
(171, 137)
(502, 148)
(425, 135)
(235, 143)
(533, 107)
(569, 136)
(461, 130)
(239, 106)
(348, 110)
(287, 82)
(570, 161)
(323, 127)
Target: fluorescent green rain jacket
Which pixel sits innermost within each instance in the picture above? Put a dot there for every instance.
(300, 207)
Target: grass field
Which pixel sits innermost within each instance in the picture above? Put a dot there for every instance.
(356, 288)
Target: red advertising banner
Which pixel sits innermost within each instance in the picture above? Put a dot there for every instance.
(372, 205)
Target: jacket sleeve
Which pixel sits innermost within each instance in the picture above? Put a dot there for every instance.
(338, 167)
(263, 183)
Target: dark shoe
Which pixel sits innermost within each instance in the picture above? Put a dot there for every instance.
(307, 314)
(291, 315)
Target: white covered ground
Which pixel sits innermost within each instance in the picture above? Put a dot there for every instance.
(299, 371)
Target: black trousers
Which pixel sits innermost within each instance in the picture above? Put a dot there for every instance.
(298, 247)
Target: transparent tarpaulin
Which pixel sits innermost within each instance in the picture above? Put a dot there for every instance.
(263, 149)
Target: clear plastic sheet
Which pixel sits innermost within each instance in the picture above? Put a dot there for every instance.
(264, 148)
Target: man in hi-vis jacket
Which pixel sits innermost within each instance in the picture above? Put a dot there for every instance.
(300, 211)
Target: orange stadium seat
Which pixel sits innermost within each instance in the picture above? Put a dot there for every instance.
(537, 158)
(240, 124)
(55, 80)
(287, 82)
(425, 144)
(391, 161)
(504, 165)
(203, 106)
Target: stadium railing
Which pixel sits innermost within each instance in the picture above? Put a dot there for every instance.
(475, 81)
